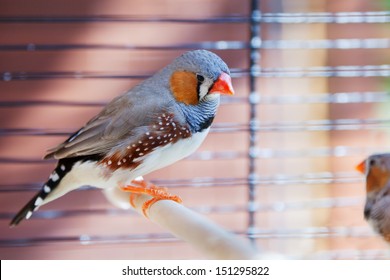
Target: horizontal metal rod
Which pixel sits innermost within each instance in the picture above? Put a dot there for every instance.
(291, 98)
(261, 181)
(326, 17)
(260, 126)
(285, 72)
(214, 45)
(89, 240)
(305, 126)
(121, 19)
(338, 18)
(312, 232)
(357, 43)
(274, 207)
(322, 71)
(257, 153)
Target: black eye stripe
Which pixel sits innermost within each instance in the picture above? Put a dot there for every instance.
(200, 79)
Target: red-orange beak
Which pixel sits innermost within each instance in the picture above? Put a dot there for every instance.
(361, 167)
(223, 85)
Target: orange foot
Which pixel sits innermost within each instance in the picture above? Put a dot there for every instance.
(158, 193)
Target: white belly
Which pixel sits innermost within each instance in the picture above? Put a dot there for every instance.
(170, 153)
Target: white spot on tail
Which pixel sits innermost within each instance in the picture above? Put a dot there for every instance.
(28, 215)
(38, 201)
(54, 176)
(46, 189)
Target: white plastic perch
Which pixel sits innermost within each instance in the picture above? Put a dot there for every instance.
(189, 226)
(197, 230)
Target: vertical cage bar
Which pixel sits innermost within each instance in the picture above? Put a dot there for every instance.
(254, 57)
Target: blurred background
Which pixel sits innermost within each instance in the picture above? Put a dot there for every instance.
(312, 91)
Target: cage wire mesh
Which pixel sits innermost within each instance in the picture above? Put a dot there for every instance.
(312, 87)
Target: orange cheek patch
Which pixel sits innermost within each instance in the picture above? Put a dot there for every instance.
(184, 87)
(377, 179)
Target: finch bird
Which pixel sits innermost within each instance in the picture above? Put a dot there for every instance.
(156, 123)
(377, 208)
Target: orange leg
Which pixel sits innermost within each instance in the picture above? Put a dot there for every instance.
(158, 193)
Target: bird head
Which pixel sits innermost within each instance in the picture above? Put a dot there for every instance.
(198, 76)
(377, 170)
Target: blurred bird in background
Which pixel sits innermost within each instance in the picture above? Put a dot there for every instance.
(377, 208)
(158, 122)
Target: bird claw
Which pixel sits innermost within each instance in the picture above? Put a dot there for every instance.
(158, 193)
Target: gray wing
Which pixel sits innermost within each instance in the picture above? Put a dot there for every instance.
(125, 118)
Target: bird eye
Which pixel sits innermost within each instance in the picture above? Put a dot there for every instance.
(372, 162)
(200, 78)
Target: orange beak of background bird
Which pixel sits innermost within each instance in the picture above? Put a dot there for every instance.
(361, 167)
(223, 85)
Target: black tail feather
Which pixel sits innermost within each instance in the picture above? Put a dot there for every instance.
(33, 205)
(26, 211)
(54, 180)
(63, 167)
